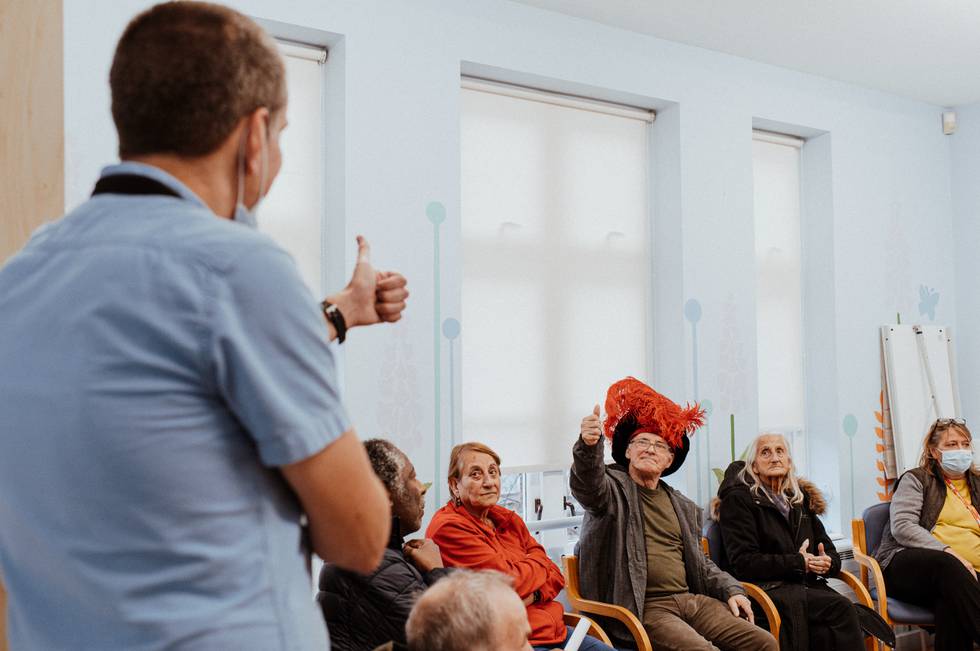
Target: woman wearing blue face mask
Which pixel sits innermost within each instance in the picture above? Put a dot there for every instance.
(931, 552)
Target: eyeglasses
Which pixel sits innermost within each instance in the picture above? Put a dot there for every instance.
(946, 422)
(644, 444)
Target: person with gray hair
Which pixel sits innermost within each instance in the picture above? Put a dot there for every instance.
(366, 610)
(469, 611)
(773, 537)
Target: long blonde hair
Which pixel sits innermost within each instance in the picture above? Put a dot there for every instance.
(935, 436)
(788, 486)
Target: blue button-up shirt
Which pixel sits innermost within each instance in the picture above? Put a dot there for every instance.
(156, 364)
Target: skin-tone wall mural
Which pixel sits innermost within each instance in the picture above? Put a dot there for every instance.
(731, 360)
(400, 410)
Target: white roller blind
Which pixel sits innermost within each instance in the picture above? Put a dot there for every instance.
(779, 300)
(555, 269)
(292, 213)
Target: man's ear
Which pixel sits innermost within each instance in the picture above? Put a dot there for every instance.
(257, 139)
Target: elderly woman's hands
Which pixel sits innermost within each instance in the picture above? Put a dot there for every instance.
(591, 430)
(818, 564)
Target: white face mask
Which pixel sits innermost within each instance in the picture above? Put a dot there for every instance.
(957, 461)
(243, 214)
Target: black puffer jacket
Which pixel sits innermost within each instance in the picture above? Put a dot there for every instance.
(365, 611)
(763, 547)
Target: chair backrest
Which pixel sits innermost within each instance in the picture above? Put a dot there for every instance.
(716, 548)
(570, 564)
(876, 518)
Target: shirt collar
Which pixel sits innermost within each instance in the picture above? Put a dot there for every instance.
(157, 174)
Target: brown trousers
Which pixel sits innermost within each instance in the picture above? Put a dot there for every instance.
(695, 622)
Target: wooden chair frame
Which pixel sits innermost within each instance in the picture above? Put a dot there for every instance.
(870, 570)
(580, 604)
(572, 619)
(758, 595)
(633, 624)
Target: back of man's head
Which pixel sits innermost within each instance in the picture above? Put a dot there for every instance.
(185, 73)
(468, 611)
(388, 463)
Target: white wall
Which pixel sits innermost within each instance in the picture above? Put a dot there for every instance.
(965, 150)
(886, 224)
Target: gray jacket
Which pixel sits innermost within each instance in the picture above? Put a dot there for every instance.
(915, 508)
(612, 548)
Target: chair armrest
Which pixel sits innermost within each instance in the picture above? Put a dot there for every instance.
(874, 571)
(759, 595)
(860, 591)
(572, 619)
(623, 615)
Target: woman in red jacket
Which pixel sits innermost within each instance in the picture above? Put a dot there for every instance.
(473, 531)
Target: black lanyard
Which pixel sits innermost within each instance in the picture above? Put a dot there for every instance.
(132, 184)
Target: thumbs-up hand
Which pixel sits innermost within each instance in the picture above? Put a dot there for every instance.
(591, 430)
(820, 564)
(371, 296)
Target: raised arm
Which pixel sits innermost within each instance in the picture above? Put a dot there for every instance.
(371, 296)
(588, 480)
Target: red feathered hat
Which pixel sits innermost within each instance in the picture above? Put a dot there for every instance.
(633, 407)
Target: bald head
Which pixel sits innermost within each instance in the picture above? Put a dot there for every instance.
(469, 611)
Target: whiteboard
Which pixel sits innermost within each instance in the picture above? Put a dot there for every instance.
(907, 369)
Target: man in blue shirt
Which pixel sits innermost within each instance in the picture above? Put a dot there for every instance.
(168, 399)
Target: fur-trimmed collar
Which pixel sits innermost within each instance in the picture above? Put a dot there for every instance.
(812, 495)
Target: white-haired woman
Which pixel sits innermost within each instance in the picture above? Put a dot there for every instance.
(773, 537)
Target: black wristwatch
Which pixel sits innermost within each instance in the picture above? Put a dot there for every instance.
(537, 597)
(336, 319)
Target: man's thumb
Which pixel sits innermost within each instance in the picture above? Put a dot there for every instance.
(363, 250)
(596, 410)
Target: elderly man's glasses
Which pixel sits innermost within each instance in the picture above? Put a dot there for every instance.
(644, 444)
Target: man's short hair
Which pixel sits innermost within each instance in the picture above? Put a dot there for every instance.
(458, 613)
(388, 463)
(185, 73)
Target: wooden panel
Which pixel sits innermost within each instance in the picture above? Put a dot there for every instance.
(32, 150)
(3, 619)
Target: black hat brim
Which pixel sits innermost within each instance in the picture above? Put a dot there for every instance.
(621, 440)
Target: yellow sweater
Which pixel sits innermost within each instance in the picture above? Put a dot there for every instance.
(956, 525)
